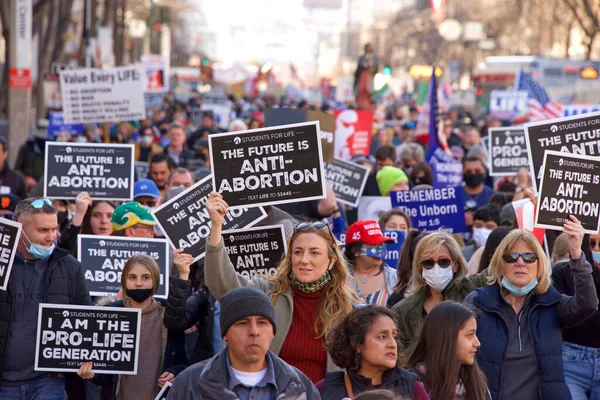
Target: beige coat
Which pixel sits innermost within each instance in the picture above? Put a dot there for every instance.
(221, 277)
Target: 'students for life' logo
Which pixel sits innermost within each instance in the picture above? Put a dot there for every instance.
(554, 128)
(231, 238)
(102, 243)
(65, 314)
(69, 150)
(237, 140)
(175, 206)
(561, 162)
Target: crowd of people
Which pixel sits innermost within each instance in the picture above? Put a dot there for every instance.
(486, 314)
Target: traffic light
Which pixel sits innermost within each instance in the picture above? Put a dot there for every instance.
(205, 62)
(387, 70)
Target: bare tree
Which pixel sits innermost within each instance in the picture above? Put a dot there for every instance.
(586, 15)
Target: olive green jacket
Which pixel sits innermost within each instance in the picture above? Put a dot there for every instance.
(409, 312)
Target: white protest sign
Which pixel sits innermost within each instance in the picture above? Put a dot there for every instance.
(102, 95)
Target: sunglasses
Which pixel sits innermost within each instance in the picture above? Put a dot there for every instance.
(442, 262)
(512, 258)
(316, 225)
(39, 203)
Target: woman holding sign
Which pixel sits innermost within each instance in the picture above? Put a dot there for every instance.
(309, 291)
(162, 353)
(521, 316)
(438, 273)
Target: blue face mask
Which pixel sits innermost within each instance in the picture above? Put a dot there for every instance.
(38, 251)
(375, 252)
(519, 292)
(596, 256)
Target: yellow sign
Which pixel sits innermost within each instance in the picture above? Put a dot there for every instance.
(424, 71)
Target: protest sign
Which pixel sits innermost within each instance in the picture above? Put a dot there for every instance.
(68, 336)
(508, 151)
(285, 116)
(156, 76)
(466, 97)
(153, 101)
(393, 250)
(217, 102)
(447, 172)
(56, 125)
(164, 392)
(509, 105)
(103, 259)
(105, 171)
(569, 187)
(141, 170)
(569, 110)
(353, 133)
(575, 135)
(433, 209)
(10, 232)
(372, 207)
(255, 251)
(268, 166)
(102, 95)
(186, 224)
(347, 180)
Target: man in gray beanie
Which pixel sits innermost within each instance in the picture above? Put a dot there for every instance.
(245, 369)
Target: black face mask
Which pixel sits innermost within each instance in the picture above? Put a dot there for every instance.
(474, 180)
(139, 295)
(63, 218)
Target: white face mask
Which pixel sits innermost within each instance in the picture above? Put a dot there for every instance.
(480, 236)
(147, 140)
(438, 278)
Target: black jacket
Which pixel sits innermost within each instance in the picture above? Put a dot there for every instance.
(65, 284)
(398, 380)
(185, 309)
(586, 333)
(186, 158)
(14, 180)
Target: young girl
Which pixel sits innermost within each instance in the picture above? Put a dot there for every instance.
(444, 357)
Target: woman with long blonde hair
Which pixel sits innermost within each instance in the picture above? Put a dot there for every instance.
(309, 290)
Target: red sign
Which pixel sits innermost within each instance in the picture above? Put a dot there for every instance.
(19, 78)
(353, 133)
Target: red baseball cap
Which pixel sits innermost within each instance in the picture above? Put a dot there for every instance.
(367, 231)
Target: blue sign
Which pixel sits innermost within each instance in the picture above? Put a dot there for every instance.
(509, 105)
(394, 249)
(447, 172)
(56, 125)
(153, 100)
(433, 209)
(569, 110)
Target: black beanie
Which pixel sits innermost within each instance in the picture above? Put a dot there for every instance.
(245, 302)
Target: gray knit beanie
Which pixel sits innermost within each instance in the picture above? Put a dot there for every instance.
(245, 302)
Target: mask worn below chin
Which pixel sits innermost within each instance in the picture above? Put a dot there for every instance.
(596, 256)
(517, 291)
(38, 251)
(480, 236)
(438, 278)
(473, 180)
(375, 252)
(139, 295)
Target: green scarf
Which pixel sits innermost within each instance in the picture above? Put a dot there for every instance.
(313, 286)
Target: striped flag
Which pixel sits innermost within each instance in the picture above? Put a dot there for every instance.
(541, 107)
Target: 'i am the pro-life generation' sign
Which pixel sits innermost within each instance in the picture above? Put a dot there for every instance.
(186, 224)
(105, 171)
(570, 186)
(10, 232)
(68, 336)
(268, 166)
(508, 151)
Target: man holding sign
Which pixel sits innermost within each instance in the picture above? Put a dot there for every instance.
(41, 272)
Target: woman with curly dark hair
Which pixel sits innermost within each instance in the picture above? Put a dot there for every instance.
(364, 344)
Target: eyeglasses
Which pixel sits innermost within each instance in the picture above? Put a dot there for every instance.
(528, 258)
(316, 225)
(430, 263)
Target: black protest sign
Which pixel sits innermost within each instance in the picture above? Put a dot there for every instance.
(579, 134)
(103, 259)
(284, 116)
(570, 186)
(68, 336)
(141, 170)
(255, 251)
(347, 179)
(507, 151)
(268, 166)
(186, 224)
(10, 232)
(105, 171)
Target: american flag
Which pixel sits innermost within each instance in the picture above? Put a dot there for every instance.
(541, 107)
(444, 98)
